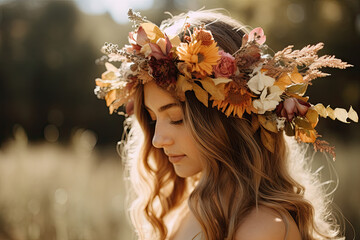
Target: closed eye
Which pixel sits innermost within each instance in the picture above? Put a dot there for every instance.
(177, 122)
(153, 122)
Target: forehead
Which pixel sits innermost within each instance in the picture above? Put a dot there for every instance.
(156, 97)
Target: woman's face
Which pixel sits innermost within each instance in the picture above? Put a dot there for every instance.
(170, 132)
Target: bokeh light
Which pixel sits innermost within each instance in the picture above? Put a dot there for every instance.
(59, 169)
(116, 8)
(295, 13)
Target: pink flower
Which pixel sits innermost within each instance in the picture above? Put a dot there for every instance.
(226, 65)
(141, 37)
(161, 49)
(292, 107)
(257, 35)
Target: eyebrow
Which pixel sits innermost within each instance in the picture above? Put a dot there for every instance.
(165, 107)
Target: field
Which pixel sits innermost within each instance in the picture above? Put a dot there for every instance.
(51, 191)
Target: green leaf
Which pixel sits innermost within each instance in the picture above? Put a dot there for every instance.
(303, 123)
(298, 89)
(289, 129)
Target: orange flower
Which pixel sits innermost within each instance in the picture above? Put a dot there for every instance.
(198, 57)
(304, 135)
(204, 36)
(237, 101)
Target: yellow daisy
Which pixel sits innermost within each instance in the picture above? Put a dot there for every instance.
(237, 101)
(199, 57)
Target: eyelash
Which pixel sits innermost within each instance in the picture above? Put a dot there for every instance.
(177, 122)
(152, 122)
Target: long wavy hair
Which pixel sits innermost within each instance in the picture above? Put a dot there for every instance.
(235, 157)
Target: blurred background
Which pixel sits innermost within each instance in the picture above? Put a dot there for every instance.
(60, 174)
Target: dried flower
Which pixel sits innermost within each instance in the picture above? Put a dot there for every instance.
(164, 71)
(161, 49)
(259, 82)
(237, 100)
(257, 35)
(268, 101)
(204, 36)
(226, 65)
(199, 57)
(292, 107)
(248, 57)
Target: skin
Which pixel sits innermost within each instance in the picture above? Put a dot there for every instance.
(176, 140)
(266, 224)
(171, 134)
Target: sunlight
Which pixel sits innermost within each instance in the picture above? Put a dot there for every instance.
(117, 9)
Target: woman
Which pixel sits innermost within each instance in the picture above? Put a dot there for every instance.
(211, 160)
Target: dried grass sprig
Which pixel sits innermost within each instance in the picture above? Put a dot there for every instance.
(304, 57)
(324, 146)
(313, 74)
(136, 18)
(329, 61)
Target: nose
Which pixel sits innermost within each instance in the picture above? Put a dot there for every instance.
(162, 137)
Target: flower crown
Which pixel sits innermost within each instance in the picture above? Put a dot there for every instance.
(269, 88)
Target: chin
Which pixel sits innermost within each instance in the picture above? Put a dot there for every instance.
(185, 173)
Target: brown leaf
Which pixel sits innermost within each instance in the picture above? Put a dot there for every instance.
(254, 122)
(268, 140)
(268, 123)
(211, 88)
(182, 85)
(312, 116)
(306, 136)
(289, 129)
(200, 94)
(303, 123)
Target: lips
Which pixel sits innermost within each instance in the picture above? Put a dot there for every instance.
(175, 158)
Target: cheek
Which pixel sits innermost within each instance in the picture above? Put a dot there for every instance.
(188, 143)
(191, 149)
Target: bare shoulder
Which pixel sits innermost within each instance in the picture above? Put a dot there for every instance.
(266, 224)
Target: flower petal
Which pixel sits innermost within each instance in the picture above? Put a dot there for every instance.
(221, 80)
(156, 51)
(257, 34)
(341, 114)
(153, 32)
(141, 37)
(353, 115)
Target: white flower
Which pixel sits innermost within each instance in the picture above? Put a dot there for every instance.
(259, 82)
(280, 123)
(268, 102)
(256, 70)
